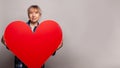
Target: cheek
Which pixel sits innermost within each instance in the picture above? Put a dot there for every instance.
(30, 16)
(38, 15)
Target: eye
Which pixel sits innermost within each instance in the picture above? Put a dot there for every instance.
(30, 12)
(36, 12)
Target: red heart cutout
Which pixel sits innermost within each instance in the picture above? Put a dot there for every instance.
(33, 48)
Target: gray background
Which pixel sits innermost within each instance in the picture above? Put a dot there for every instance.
(91, 30)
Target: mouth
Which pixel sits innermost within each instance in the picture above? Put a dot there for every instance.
(33, 18)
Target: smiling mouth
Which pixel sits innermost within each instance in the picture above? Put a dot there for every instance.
(33, 18)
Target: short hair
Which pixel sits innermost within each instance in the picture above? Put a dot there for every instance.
(35, 7)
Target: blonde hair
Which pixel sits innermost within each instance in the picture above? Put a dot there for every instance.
(35, 7)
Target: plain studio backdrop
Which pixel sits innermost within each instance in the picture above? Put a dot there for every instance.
(91, 30)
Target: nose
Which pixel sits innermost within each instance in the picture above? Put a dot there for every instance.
(33, 15)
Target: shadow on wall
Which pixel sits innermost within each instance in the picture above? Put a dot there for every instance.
(6, 62)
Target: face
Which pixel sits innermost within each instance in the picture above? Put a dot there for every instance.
(34, 15)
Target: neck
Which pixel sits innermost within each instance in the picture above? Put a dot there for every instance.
(33, 23)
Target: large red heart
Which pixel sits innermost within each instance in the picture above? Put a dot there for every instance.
(33, 48)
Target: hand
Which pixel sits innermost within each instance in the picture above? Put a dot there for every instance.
(61, 44)
(3, 40)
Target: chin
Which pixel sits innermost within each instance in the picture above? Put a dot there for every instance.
(34, 21)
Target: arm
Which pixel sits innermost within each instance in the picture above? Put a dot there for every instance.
(61, 45)
(3, 41)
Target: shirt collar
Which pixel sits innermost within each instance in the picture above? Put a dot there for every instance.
(29, 23)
